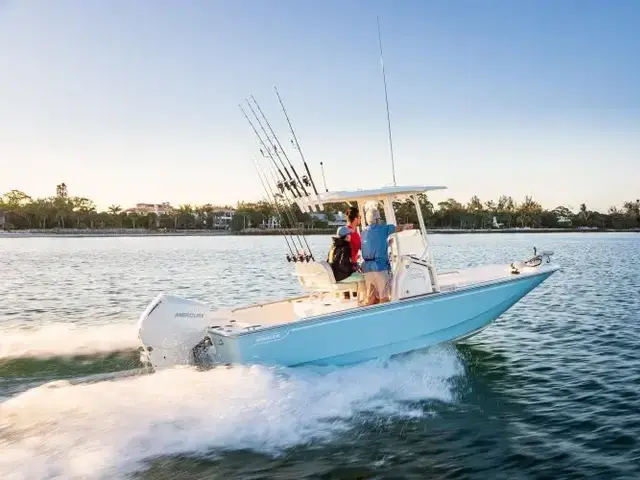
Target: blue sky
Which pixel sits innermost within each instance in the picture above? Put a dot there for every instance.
(137, 101)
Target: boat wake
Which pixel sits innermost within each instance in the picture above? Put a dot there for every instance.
(111, 428)
(67, 339)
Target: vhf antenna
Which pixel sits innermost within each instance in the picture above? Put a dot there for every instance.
(386, 99)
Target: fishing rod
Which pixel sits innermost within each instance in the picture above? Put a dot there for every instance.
(293, 221)
(289, 213)
(292, 218)
(270, 195)
(300, 182)
(283, 192)
(292, 251)
(297, 145)
(282, 185)
(292, 182)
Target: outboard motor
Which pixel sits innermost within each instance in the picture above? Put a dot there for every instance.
(169, 330)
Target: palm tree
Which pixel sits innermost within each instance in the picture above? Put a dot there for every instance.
(584, 213)
(115, 210)
(62, 204)
(61, 190)
(133, 216)
(474, 207)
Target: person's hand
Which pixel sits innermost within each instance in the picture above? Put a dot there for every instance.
(407, 226)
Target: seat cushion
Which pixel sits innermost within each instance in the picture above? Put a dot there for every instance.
(353, 278)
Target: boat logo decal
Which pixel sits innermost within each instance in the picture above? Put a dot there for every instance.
(271, 337)
(189, 314)
(268, 338)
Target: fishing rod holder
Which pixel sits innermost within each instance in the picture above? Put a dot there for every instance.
(301, 257)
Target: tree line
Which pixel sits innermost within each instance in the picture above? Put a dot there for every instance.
(63, 210)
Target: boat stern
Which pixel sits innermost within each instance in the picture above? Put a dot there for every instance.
(170, 329)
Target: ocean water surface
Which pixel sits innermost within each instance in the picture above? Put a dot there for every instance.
(550, 390)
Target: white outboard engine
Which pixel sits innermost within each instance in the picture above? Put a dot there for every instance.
(169, 330)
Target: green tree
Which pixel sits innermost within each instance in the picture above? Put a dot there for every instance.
(633, 211)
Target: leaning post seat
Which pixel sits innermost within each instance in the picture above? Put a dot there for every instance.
(317, 277)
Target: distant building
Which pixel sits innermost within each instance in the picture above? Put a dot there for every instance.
(163, 208)
(271, 222)
(339, 219)
(564, 221)
(222, 218)
(3, 219)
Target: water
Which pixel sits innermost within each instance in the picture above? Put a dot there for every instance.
(551, 390)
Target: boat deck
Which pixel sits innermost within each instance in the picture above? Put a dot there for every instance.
(241, 320)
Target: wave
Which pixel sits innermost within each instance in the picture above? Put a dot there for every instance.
(67, 339)
(112, 428)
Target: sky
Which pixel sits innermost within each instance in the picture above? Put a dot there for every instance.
(131, 101)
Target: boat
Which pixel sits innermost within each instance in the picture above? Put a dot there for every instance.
(328, 325)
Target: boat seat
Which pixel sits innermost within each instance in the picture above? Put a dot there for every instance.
(318, 276)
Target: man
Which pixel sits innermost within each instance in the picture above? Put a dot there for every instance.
(376, 260)
(353, 222)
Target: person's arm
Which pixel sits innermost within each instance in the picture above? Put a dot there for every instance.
(390, 229)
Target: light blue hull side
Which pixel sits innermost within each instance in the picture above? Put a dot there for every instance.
(379, 331)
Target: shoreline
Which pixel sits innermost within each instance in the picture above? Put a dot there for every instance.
(72, 233)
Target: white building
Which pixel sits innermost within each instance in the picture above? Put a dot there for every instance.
(271, 222)
(163, 208)
(3, 220)
(339, 218)
(222, 218)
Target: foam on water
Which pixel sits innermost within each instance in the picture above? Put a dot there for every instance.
(67, 339)
(110, 428)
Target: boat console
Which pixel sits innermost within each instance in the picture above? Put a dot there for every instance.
(412, 272)
(406, 242)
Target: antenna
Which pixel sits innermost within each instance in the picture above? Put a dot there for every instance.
(386, 99)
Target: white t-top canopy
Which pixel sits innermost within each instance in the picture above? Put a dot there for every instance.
(398, 193)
